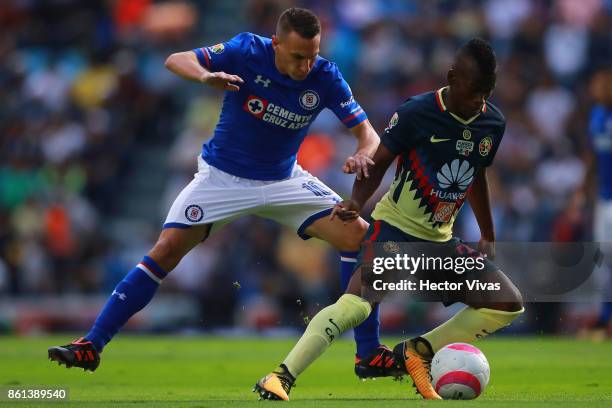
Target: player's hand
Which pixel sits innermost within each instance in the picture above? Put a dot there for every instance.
(358, 164)
(487, 248)
(221, 80)
(347, 211)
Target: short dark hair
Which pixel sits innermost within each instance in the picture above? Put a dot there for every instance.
(481, 52)
(302, 21)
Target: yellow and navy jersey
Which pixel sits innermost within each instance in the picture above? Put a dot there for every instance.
(439, 156)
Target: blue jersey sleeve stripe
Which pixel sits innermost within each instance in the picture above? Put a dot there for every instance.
(203, 57)
(355, 119)
(353, 116)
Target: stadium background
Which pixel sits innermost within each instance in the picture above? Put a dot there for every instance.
(97, 138)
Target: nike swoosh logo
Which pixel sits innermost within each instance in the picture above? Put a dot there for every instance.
(434, 139)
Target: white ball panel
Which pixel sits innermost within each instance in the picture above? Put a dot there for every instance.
(456, 359)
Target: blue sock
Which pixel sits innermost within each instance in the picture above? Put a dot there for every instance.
(605, 314)
(132, 294)
(367, 335)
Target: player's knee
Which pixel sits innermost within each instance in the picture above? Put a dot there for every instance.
(513, 297)
(512, 302)
(519, 305)
(351, 240)
(508, 299)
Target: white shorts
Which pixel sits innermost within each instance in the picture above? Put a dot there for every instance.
(216, 197)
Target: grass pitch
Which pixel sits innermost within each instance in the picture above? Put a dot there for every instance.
(220, 372)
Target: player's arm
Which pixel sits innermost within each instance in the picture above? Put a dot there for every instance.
(479, 199)
(214, 65)
(186, 65)
(341, 101)
(367, 142)
(399, 136)
(348, 210)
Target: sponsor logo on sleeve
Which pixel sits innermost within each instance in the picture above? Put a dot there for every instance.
(347, 102)
(217, 48)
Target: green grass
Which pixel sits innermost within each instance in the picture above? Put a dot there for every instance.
(219, 372)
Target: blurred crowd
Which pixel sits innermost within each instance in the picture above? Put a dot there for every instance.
(85, 97)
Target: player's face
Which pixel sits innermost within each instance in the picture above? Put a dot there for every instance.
(469, 97)
(468, 94)
(295, 56)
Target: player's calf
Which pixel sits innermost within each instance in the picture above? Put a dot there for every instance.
(343, 237)
(130, 295)
(327, 325)
(469, 325)
(174, 243)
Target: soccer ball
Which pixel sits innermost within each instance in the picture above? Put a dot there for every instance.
(460, 371)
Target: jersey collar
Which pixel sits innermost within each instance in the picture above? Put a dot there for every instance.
(442, 106)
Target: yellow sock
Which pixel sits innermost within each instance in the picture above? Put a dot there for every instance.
(348, 312)
(469, 324)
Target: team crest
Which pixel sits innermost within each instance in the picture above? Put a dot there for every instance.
(309, 100)
(217, 49)
(194, 213)
(444, 211)
(393, 121)
(485, 146)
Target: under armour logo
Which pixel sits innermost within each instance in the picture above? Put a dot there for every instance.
(122, 296)
(264, 82)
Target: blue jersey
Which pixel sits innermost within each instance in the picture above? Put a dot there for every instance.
(601, 140)
(262, 125)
